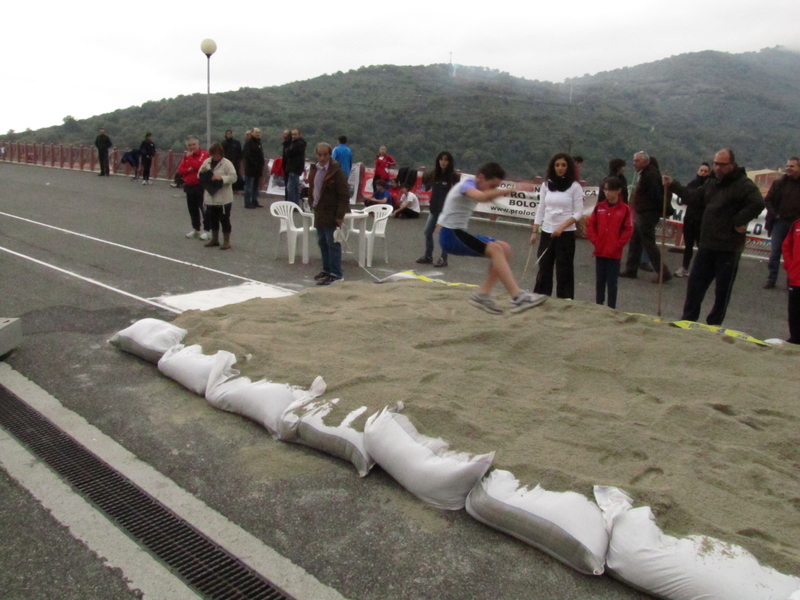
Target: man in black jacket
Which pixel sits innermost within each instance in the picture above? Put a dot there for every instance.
(233, 152)
(783, 209)
(253, 156)
(693, 217)
(647, 201)
(103, 143)
(731, 201)
(148, 151)
(294, 165)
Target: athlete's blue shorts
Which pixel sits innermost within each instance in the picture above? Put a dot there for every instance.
(462, 243)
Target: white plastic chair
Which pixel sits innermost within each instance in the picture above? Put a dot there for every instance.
(285, 212)
(382, 213)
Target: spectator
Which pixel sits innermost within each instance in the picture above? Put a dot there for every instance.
(148, 151)
(578, 160)
(441, 181)
(394, 191)
(294, 165)
(409, 204)
(610, 227)
(560, 208)
(791, 262)
(103, 144)
(253, 156)
(783, 209)
(616, 168)
(132, 159)
(233, 152)
(379, 195)
(188, 168)
(383, 162)
(344, 156)
(693, 217)
(218, 175)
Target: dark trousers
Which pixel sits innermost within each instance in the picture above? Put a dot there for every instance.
(330, 250)
(407, 213)
(607, 275)
(794, 314)
(710, 265)
(558, 252)
(147, 162)
(644, 238)
(194, 202)
(102, 157)
(691, 236)
(219, 214)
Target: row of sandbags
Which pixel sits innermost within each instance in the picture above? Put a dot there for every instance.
(591, 537)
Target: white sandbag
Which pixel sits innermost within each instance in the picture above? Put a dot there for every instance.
(262, 401)
(191, 368)
(148, 338)
(692, 568)
(566, 525)
(304, 423)
(423, 465)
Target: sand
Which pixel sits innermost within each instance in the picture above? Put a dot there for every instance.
(703, 428)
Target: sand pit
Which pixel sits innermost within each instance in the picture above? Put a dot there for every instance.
(703, 428)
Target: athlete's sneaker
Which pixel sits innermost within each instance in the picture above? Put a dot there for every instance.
(681, 272)
(193, 234)
(485, 302)
(205, 235)
(526, 300)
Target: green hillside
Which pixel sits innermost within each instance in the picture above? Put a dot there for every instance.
(681, 110)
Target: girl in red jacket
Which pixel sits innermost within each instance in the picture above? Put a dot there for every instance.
(791, 262)
(609, 228)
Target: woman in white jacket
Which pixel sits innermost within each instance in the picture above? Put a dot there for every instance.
(217, 174)
(560, 208)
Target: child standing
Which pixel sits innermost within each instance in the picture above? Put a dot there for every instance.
(610, 227)
(454, 239)
(791, 262)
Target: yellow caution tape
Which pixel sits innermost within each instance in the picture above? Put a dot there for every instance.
(716, 329)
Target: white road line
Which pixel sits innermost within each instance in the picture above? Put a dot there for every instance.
(92, 281)
(143, 571)
(132, 249)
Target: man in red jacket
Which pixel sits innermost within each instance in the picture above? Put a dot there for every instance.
(610, 227)
(791, 262)
(188, 168)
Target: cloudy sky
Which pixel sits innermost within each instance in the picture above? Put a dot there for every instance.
(90, 57)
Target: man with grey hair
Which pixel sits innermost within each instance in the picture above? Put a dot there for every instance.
(329, 196)
(783, 209)
(731, 201)
(188, 169)
(647, 201)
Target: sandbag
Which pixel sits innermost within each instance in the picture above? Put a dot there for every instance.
(303, 422)
(262, 401)
(148, 338)
(421, 464)
(696, 567)
(191, 368)
(566, 525)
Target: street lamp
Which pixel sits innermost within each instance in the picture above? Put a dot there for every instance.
(208, 46)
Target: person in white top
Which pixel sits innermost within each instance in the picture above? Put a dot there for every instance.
(560, 208)
(409, 204)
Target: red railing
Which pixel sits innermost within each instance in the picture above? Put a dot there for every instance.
(83, 158)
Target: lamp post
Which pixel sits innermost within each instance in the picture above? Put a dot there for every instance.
(208, 46)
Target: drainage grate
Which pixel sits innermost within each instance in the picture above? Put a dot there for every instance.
(203, 565)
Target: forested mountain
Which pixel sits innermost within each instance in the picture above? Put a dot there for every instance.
(680, 109)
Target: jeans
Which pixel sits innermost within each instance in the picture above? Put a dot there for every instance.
(558, 252)
(779, 230)
(430, 227)
(607, 274)
(293, 188)
(251, 191)
(331, 252)
(710, 265)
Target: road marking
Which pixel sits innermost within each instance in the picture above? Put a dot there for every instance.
(90, 526)
(93, 281)
(132, 249)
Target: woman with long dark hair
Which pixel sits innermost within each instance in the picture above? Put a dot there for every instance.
(560, 208)
(616, 168)
(440, 181)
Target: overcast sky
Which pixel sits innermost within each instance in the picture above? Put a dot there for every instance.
(92, 57)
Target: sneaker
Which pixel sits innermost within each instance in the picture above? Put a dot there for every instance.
(770, 285)
(205, 235)
(425, 260)
(321, 275)
(526, 300)
(144, 182)
(681, 272)
(193, 234)
(442, 262)
(485, 302)
(329, 280)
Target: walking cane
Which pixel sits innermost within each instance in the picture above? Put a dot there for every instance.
(662, 265)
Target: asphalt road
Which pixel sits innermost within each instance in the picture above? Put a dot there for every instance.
(367, 538)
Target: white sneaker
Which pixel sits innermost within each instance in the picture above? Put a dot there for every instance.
(485, 302)
(193, 234)
(144, 182)
(681, 272)
(205, 235)
(525, 300)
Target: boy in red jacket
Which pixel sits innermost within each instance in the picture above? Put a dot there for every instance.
(791, 262)
(610, 227)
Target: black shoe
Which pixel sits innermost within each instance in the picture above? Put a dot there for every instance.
(442, 262)
(628, 274)
(665, 279)
(328, 280)
(646, 267)
(770, 285)
(258, 206)
(249, 206)
(425, 260)
(321, 275)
